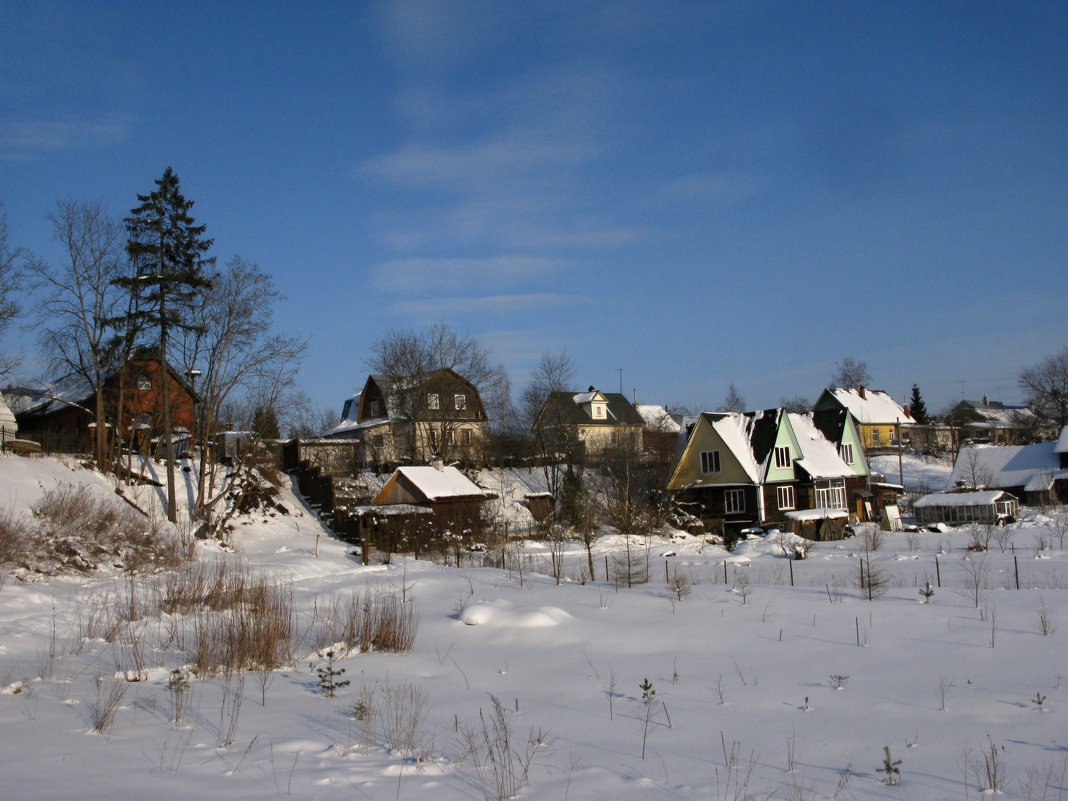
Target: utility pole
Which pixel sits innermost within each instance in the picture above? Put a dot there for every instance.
(620, 371)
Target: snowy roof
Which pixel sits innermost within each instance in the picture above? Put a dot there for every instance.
(585, 397)
(1062, 442)
(435, 485)
(733, 428)
(658, 418)
(1033, 467)
(983, 498)
(819, 456)
(821, 513)
(67, 390)
(876, 406)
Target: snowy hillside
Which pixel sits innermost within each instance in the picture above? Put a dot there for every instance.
(767, 677)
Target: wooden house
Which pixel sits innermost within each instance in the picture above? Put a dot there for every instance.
(584, 425)
(62, 417)
(878, 416)
(1037, 473)
(399, 421)
(737, 471)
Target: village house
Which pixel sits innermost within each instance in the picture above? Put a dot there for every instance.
(411, 422)
(62, 417)
(987, 421)
(738, 471)
(878, 415)
(584, 425)
(1037, 474)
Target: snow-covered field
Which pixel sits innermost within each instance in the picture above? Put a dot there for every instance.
(762, 689)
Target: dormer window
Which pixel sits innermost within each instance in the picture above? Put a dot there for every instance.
(598, 411)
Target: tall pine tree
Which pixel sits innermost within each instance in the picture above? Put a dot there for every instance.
(167, 250)
(918, 408)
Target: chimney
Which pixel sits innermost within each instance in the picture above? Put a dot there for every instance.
(986, 400)
(437, 464)
(863, 394)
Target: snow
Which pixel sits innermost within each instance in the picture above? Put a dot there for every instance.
(984, 498)
(1009, 465)
(439, 484)
(658, 418)
(746, 707)
(819, 456)
(875, 407)
(921, 473)
(822, 513)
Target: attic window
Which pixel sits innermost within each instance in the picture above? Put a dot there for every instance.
(709, 462)
(375, 407)
(598, 411)
(144, 381)
(845, 450)
(459, 401)
(782, 456)
(433, 401)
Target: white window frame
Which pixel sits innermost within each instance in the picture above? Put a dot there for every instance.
(734, 501)
(710, 459)
(459, 401)
(830, 494)
(433, 401)
(785, 496)
(845, 450)
(144, 382)
(782, 456)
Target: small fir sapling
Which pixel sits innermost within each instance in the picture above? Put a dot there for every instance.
(838, 681)
(328, 681)
(927, 593)
(890, 768)
(648, 698)
(1039, 700)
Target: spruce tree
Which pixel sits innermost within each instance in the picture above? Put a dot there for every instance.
(918, 408)
(167, 250)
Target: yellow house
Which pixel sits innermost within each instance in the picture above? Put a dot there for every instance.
(878, 415)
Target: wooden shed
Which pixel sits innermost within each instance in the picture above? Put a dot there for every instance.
(985, 506)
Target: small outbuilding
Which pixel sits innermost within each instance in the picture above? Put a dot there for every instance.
(820, 525)
(986, 506)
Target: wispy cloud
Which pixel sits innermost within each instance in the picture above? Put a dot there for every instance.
(453, 275)
(726, 188)
(23, 139)
(436, 308)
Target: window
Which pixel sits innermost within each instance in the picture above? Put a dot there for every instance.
(433, 401)
(433, 438)
(376, 441)
(144, 381)
(459, 402)
(465, 436)
(598, 412)
(876, 434)
(375, 408)
(845, 450)
(709, 462)
(785, 496)
(734, 500)
(782, 456)
(831, 494)
(144, 420)
(450, 437)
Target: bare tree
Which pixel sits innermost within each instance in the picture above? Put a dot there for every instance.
(555, 372)
(409, 359)
(233, 349)
(734, 402)
(9, 309)
(971, 469)
(798, 404)
(851, 374)
(81, 301)
(1046, 385)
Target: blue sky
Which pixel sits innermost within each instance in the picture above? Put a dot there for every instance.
(699, 193)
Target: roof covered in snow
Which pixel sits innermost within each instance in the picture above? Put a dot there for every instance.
(819, 456)
(983, 498)
(433, 484)
(1033, 467)
(658, 418)
(870, 406)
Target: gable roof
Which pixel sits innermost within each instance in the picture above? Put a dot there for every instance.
(1033, 467)
(391, 389)
(868, 406)
(431, 484)
(819, 456)
(657, 418)
(565, 408)
(994, 414)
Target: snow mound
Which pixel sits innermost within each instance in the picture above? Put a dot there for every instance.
(503, 613)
